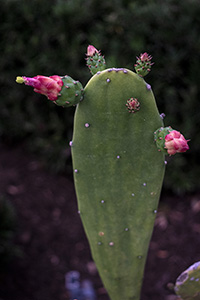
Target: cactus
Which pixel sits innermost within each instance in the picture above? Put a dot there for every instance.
(95, 61)
(118, 169)
(143, 64)
(187, 285)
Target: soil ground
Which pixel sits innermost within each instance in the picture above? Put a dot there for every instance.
(52, 241)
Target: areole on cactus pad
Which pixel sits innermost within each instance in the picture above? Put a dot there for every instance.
(119, 164)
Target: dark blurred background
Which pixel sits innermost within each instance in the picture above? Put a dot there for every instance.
(51, 37)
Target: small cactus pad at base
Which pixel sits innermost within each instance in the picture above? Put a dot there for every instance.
(187, 285)
(118, 175)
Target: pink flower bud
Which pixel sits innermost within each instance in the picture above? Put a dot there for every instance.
(175, 143)
(48, 86)
(145, 57)
(91, 50)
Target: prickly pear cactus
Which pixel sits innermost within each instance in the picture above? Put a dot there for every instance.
(118, 150)
(118, 174)
(187, 285)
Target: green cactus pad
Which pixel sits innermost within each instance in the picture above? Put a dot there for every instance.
(71, 93)
(118, 175)
(187, 285)
(96, 63)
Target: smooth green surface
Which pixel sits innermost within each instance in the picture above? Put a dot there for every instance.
(188, 283)
(118, 174)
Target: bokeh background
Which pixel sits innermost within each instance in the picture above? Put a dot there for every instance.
(51, 37)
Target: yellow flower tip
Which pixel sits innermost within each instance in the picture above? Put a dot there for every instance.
(19, 79)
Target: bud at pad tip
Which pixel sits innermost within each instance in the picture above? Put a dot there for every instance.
(143, 64)
(95, 61)
(91, 50)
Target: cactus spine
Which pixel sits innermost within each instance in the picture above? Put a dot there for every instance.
(118, 176)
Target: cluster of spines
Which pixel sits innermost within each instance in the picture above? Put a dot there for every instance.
(71, 93)
(143, 64)
(133, 105)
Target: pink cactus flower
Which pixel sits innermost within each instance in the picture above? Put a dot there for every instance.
(91, 50)
(48, 86)
(175, 142)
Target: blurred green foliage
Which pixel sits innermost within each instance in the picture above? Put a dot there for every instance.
(51, 37)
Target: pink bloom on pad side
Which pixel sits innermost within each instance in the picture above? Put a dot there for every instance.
(48, 86)
(175, 143)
